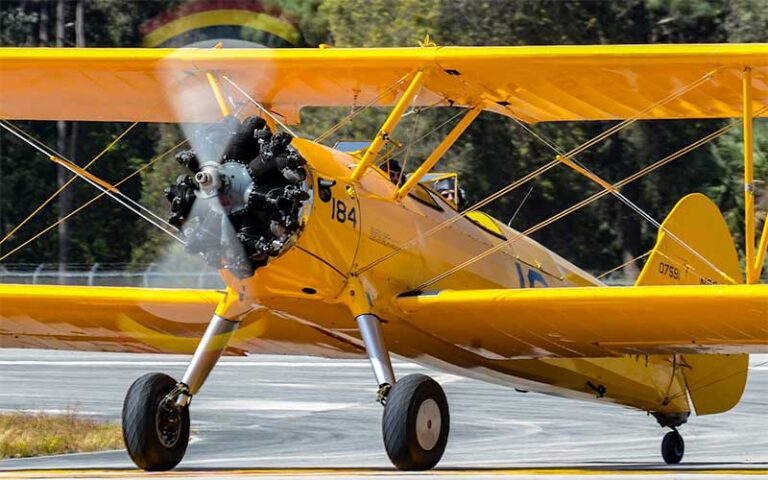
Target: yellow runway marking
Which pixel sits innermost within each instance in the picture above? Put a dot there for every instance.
(336, 472)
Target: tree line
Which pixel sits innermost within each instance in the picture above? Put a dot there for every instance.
(493, 152)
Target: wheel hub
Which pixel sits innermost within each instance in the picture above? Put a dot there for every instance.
(428, 423)
(168, 424)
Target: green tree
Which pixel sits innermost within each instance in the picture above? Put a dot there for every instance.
(492, 153)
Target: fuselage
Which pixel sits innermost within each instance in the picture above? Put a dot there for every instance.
(357, 230)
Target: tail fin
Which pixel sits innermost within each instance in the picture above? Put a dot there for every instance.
(715, 382)
(698, 223)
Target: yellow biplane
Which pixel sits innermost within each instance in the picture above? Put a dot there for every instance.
(324, 253)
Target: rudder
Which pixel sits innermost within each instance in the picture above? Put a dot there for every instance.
(715, 382)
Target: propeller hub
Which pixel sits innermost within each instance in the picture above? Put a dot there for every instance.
(208, 179)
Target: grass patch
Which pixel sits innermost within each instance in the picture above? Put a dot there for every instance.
(33, 434)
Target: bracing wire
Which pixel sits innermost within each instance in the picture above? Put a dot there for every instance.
(259, 105)
(70, 180)
(541, 170)
(397, 153)
(587, 201)
(94, 199)
(357, 111)
(712, 382)
(127, 202)
(66, 184)
(628, 262)
(632, 205)
(406, 155)
(520, 206)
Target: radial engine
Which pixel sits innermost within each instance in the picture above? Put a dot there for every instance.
(245, 198)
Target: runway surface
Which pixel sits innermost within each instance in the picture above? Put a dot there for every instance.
(304, 417)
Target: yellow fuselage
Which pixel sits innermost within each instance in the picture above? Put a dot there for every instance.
(347, 232)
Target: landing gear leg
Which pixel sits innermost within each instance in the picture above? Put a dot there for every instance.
(416, 422)
(672, 447)
(156, 407)
(370, 330)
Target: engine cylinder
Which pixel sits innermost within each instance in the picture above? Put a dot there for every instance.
(246, 199)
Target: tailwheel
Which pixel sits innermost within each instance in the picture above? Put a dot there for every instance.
(672, 447)
(155, 431)
(415, 423)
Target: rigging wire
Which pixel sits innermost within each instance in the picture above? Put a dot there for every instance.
(632, 205)
(548, 166)
(259, 105)
(69, 181)
(519, 207)
(107, 189)
(628, 262)
(94, 199)
(356, 111)
(587, 201)
(656, 224)
(624, 123)
(718, 380)
(66, 184)
(60, 160)
(408, 146)
(400, 151)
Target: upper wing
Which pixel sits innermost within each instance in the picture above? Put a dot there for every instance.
(532, 83)
(596, 321)
(120, 319)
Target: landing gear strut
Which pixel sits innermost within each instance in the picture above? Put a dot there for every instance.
(416, 422)
(156, 407)
(672, 447)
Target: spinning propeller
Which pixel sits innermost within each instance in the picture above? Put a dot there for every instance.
(241, 202)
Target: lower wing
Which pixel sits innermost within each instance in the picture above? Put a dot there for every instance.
(595, 321)
(118, 319)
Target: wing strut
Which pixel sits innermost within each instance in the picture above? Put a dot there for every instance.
(639, 174)
(753, 260)
(551, 164)
(439, 151)
(225, 111)
(389, 125)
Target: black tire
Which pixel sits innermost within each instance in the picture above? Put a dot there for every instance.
(672, 447)
(142, 421)
(405, 447)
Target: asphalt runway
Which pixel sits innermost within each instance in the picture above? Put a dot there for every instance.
(304, 417)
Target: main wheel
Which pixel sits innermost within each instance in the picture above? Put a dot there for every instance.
(672, 447)
(415, 423)
(155, 435)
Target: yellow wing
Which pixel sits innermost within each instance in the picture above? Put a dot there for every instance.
(532, 83)
(596, 321)
(120, 319)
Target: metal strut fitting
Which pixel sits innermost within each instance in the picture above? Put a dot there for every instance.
(370, 330)
(208, 352)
